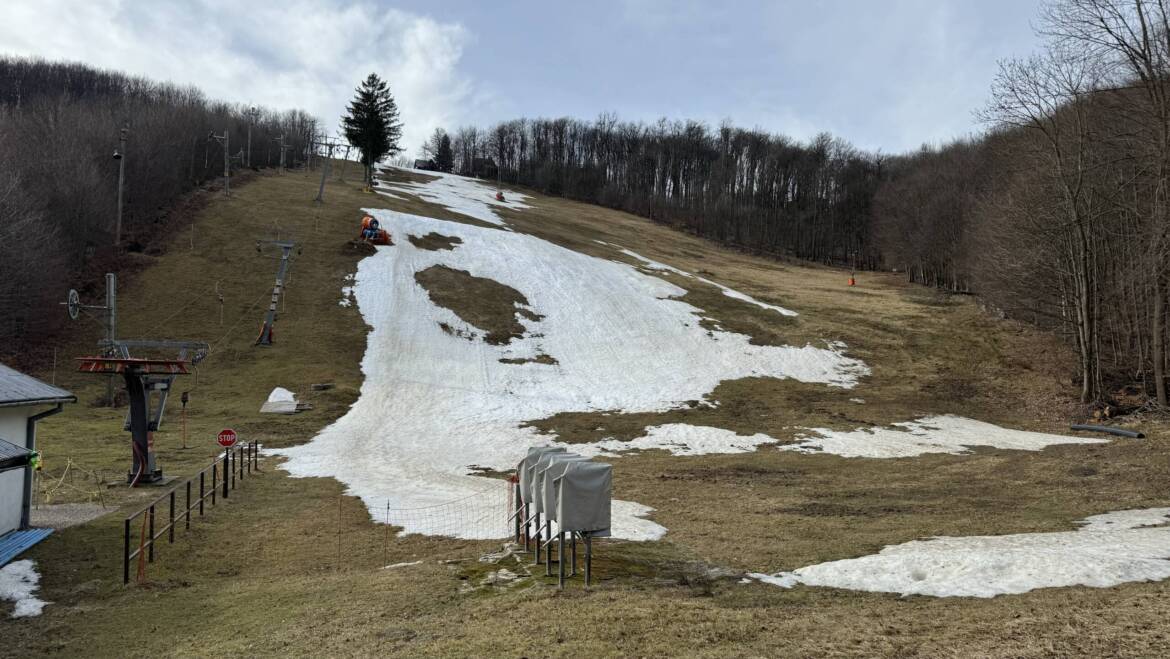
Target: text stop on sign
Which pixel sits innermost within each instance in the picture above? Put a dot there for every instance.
(226, 438)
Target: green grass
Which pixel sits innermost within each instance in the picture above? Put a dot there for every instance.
(264, 574)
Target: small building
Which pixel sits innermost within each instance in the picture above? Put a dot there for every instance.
(426, 165)
(24, 401)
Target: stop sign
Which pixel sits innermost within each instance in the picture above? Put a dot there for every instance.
(226, 438)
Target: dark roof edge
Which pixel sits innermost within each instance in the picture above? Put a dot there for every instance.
(38, 401)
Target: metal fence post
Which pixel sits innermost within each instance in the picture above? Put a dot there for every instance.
(171, 525)
(187, 513)
(255, 455)
(214, 480)
(202, 474)
(126, 552)
(150, 540)
(227, 457)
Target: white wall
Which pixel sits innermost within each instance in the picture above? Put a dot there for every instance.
(13, 427)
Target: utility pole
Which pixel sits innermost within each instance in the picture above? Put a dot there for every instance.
(280, 141)
(111, 324)
(345, 161)
(120, 156)
(227, 170)
(252, 113)
(330, 145)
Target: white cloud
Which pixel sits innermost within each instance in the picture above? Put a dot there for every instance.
(302, 54)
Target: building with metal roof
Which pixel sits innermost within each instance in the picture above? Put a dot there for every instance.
(24, 401)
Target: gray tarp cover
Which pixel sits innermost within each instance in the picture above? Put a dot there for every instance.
(542, 462)
(583, 503)
(524, 469)
(547, 501)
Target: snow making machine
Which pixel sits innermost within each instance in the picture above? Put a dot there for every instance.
(372, 233)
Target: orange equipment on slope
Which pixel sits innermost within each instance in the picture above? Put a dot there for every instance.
(372, 233)
(499, 195)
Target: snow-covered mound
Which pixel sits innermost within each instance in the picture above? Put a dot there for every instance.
(934, 434)
(1110, 549)
(18, 581)
(434, 403)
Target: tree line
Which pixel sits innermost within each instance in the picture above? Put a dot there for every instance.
(748, 188)
(1057, 215)
(59, 128)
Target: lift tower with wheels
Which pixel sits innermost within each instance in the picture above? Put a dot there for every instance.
(148, 384)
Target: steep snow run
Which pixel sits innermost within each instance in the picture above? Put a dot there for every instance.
(434, 404)
(1110, 549)
(935, 434)
(729, 292)
(18, 581)
(460, 194)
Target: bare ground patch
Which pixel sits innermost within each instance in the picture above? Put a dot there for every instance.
(435, 241)
(483, 303)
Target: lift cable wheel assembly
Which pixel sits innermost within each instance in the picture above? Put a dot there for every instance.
(143, 376)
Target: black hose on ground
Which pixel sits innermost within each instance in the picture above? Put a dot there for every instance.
(1109, 430)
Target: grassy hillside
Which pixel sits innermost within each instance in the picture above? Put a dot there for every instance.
(293, 566)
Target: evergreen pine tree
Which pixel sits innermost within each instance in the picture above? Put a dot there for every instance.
(445, 156)
(372, 124)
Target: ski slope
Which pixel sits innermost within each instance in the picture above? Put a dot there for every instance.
(434, 405)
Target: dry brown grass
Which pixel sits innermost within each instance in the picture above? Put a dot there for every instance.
(264, 577)
(435, 241)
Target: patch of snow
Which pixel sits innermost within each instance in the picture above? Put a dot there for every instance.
(18, 581)
(680, 439)
(433, 403)
(346, 296)
(1110, 549)
(398, 565)
(934, 434)
(859, 401)
(729, 292)
(461, 194)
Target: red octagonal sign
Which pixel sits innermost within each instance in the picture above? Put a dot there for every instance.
(226, 438)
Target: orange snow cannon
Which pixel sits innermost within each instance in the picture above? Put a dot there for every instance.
(372, 233)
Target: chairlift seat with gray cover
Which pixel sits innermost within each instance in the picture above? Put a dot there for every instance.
(583, 498)
(547, 501)
(524, 469)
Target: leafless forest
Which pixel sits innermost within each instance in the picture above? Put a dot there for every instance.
(59, 128)
(1056, 215)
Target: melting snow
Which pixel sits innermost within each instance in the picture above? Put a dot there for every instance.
(460, 194)
(934, 434)
(394, 566)
(729, 292)
(18, 581)
(433, 403)
(680, 439)
(1110, 549)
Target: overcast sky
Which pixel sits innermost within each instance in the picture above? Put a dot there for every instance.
(883, 74)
